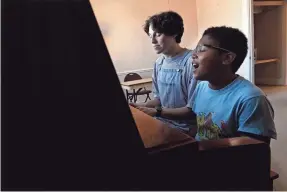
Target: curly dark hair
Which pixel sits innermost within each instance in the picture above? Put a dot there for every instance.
(231, 39)
(169, 23)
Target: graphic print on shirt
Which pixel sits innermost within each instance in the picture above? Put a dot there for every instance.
(207, 129)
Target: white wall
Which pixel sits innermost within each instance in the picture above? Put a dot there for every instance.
(121, 23)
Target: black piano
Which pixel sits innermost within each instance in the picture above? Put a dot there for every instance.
(64, 129)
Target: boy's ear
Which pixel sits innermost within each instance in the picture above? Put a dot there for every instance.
(228, 58)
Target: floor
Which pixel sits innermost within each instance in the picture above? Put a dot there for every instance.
(273, 89)
(278, 98)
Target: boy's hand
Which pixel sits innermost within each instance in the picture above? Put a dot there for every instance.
(137, 105)
(149, 111)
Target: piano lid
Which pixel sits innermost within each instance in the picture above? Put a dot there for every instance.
(66, 124)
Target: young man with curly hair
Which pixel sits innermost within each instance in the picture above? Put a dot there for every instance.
(173, 82)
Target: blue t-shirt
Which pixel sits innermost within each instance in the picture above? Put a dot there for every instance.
(173, 85)
(240, 106)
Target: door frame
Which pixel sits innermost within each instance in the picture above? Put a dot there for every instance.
(248, 29)
(251, 42)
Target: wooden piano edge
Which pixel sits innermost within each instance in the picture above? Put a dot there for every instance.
(173, 145)
(206, 144)
(227, 142)
(191, 145)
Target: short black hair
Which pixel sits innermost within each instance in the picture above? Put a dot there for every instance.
(231, 39)
(169, 23)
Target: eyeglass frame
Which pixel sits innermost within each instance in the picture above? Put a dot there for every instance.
(214, 47)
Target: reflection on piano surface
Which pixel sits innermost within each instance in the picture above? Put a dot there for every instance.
(154, 133)
(59, 131)
(227, 164)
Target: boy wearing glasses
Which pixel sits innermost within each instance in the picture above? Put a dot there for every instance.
(226, 104)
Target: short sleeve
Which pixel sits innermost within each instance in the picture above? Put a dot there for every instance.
(256, 116)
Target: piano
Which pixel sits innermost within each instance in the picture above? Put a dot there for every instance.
(62, 129)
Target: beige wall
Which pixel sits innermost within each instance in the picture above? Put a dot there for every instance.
(208, 13)
(121, 22)
(223, 12)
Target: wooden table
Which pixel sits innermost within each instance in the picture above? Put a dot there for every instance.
(156, 134)
(136, 84)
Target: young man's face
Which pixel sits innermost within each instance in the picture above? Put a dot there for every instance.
(160, 42)
(208, 59)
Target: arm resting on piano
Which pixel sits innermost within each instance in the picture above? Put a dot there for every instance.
(182, 113)
(152, 103)
(258, 137)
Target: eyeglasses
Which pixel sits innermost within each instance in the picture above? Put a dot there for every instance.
(203, 47)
